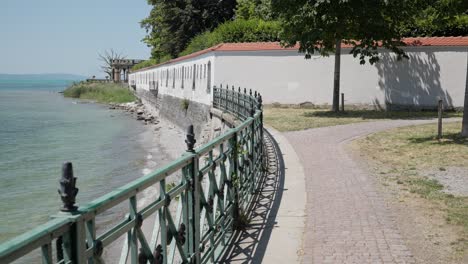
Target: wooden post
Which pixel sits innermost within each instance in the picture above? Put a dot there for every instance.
(342, 102)
(439, 127)
(336, 79)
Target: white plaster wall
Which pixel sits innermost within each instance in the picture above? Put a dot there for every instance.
(164, 74)
(286, 77)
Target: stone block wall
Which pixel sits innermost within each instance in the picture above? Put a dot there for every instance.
(182, 113)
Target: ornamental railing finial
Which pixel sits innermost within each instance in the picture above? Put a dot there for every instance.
(190, 139)
(68, 190)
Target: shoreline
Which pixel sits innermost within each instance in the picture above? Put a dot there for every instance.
(162, 142)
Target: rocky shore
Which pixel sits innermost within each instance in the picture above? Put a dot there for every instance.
(138, 110)
(163, 143)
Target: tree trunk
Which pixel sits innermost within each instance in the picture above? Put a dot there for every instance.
(336, 80)
(464, 132)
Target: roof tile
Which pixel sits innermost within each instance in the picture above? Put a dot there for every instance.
(266, 46)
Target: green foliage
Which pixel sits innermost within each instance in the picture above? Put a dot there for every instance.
(173, 23)
(171, 186)
(144, 64)
(100, 92)
(185, 104)
(317, 25)
(439, 18)
(254, 9)
(239, 30)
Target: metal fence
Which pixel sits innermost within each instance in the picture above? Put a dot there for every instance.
(192, 219)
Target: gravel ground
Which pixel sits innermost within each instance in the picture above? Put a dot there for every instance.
(454, 179)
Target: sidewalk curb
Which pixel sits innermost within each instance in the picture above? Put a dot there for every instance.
(286, 241)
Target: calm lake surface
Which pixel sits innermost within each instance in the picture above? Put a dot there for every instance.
(39, 130)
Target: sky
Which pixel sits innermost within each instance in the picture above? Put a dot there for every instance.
(63, 36)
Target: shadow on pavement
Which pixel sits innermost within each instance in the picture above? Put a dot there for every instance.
(249, 245)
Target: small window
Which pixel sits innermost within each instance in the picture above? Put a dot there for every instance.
(183, 73)
(193, 76)
(167, 77)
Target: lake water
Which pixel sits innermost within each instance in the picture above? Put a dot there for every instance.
(39, 130)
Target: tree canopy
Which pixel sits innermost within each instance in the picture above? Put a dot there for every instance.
(439, 18)
(366, 25)
(171, 24)
(254, 9)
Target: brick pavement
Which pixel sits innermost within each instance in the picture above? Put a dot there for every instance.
(347, 220)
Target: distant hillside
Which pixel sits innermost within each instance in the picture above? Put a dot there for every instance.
(46, 76)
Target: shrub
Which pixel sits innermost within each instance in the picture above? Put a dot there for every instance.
(150, 62)
(144, 64)
(100, 92)
(184, 104)
(239, 30)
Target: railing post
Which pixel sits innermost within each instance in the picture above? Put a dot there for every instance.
(235, 177)
(215, 103)
(194, 228)
(221, 96)
(245, 113)
(233, 105)
(226, 102)
(253, 156)
(260, 108)
(238, 102)
(73, 243)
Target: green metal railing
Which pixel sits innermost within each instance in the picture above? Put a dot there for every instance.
(214, 188)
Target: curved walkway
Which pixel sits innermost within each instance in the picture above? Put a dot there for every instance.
(347, 220)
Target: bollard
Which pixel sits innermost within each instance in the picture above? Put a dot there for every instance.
(439, 126)
(342, 102)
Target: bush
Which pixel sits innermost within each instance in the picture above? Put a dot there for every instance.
(100, 92)
(144, 64)
(150, 62)
(239, 30)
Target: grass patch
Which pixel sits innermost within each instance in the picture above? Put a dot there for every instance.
(100, 92)
(292, 119)
(408, 151)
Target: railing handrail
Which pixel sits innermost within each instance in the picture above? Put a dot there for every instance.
(34, 238)
(62, 222)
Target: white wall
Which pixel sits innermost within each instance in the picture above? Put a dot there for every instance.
(286, 77)
(176, 79)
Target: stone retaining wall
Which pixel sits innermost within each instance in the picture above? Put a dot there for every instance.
(182, 113)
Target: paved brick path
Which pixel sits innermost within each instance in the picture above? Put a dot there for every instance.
(347, 220)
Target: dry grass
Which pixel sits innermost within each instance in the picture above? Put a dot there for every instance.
(293, 119)
(402, 154)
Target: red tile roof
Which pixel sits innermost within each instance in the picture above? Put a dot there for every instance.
(267, 46)
(437, 41)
